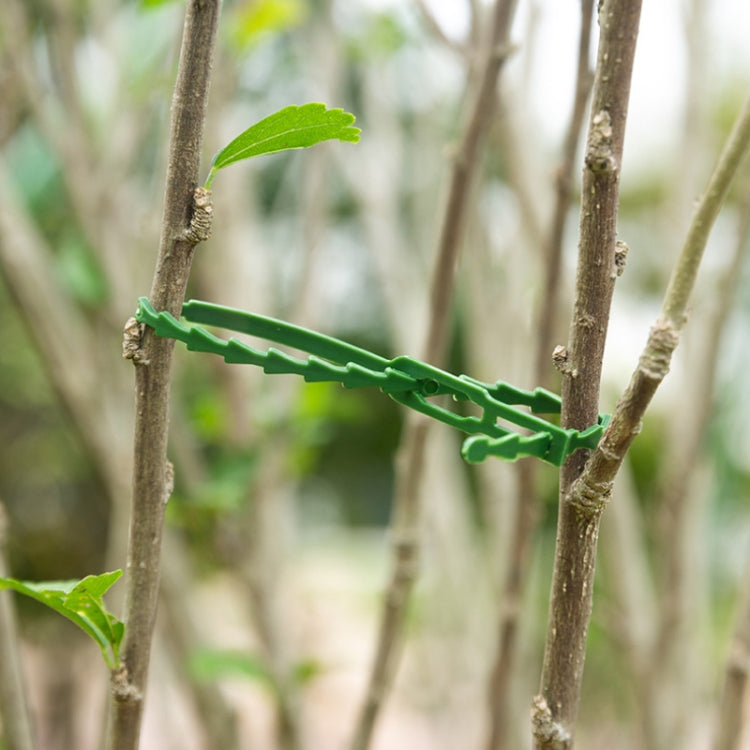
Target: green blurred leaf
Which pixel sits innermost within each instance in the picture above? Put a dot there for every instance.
(306, 671)
(255, 19)
(154, 3)
(80, 273)
(381, 36)
(227, 487)
(208, 415)
(81, 602)
(214, 664)
(289, 128)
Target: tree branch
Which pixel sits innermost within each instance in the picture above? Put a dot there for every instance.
(564, 183)
(411, 456)
(526, 510)
(676, 524)
(151, 475)
(656, 357)
(13, 704)
(729, 729)
(588, 494)
(578, 521)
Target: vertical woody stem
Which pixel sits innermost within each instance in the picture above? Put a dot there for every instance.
(556, 708)
(411, 455)
(152, 472)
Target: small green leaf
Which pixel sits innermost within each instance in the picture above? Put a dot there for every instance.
(81, 602)
(289, 128)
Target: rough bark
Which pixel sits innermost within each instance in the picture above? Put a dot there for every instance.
(526, 511)
(588, 494)
(152, 472)
(410, 461)
(14, 711)
(555, 710)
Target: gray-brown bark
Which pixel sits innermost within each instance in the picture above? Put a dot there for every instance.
(556, 708)
(527, 511)
(589, 493)
(14, 710)
(152, 472)
(410, 461)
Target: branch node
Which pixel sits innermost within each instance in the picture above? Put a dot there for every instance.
(590, 497)
(560, 361)
(662, 341)
(132, 336)
(123, 689)
(600, 158)
(545, 729)
(621, 257)
(202, 218)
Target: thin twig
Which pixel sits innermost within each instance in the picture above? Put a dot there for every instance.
(556, 708)
(678, 501)
(729, 729)
(14, 710)
(437, 31)
(87, 175)
(217, 718)
(738, 663)
(655, 359)
(550, 297)
(151, 474)
(526, 510)
(59, 331)
(411, 455)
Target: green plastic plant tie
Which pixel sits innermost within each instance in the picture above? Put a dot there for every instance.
(406, 380)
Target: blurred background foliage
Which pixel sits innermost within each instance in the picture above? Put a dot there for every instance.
(295, 480)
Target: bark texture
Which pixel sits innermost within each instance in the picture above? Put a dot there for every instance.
(556, 708)
(152, 473)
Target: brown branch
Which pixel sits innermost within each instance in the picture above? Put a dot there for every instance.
(664, 336)
(181, 638)
(729, 729)
(677, 496)
(589, 493)
(578, 521)
(526, 510)
(411, 455)
(14, 711)
(434, 27)
(59, 331)
(151, 474)
(553, 252)
(88, 176)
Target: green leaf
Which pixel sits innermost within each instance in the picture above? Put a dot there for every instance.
(289, 128)
(255, 20)
(81, 602)
(214, 664)
(305, 671)
(79, 272)
(154, 3)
